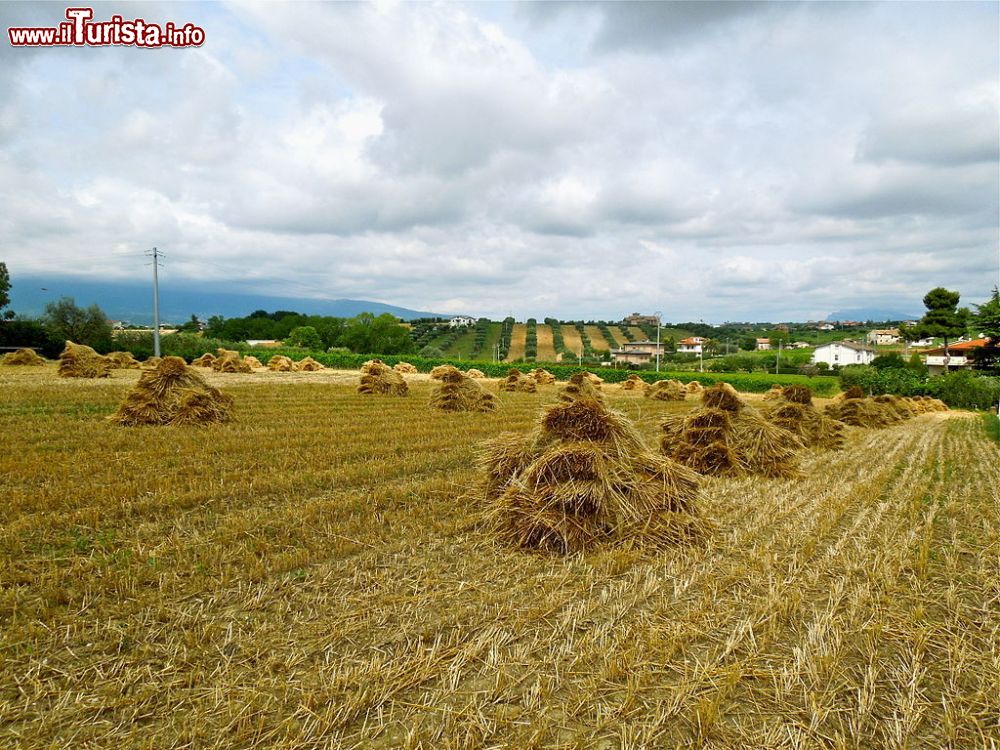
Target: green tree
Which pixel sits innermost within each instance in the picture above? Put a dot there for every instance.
(192, 326)
(5, 291)
(305, 336)
(942, 319)
(987, 317)
(748, 343)
(67, 321)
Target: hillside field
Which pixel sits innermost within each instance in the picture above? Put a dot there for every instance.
(314, 574)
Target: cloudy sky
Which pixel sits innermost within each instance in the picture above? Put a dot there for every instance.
(739, 161)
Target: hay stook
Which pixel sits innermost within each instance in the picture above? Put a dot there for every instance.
(377, 378)
(404, 368)
(280, 363)
(667, 390)
(584, 478)
(24, 358)
(516, 381)
(458, 392)
(79, 361)
(172, 394)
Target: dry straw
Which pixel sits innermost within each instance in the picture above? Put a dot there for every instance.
(230, 361)
(579, 386)
(308, 365)
(172, 394)
(542, 377)
(634, 383)
(404, 368)
(476, 374)
(280, 363)
(150, 362)
(793, 410)
(123, 361)
(516, 381)
(79, 361)
(582, 478)
(667, 390)
(694, 387)
(252, 361)
(205, 360)
(458, 392)
(379, 378)
(26, 357)
(727, 437)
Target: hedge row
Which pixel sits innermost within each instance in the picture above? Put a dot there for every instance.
(752, 383)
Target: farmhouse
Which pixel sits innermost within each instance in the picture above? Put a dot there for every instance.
(842, 353)
(461, 321)
(692, 345)
(763, 345)
(637, 352)
(635, 319)
(265, 343)
(884, 336)
(958, 356)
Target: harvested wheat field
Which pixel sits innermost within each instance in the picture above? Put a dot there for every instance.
(315, 574)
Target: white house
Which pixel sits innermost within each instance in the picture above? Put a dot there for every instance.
(763, 345)
(959, 356)
(461, 320)
(842, 353)
(825, 327)
(884, 336)
(692, 345)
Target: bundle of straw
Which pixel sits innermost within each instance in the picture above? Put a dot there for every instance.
(579, 386)
(280, 363)
(727, 437)
(458, 392)
(583, 477)
(378, 378)
(404, 368)
(150, 363)
(205, 360)
(794, 411)
(123, 361)
(172, 394)
(252, 361)
(308, 365)
(516, 381)
(694, 387)
(230, 361)
(475, 374)
(667, 390)
(79, 361)
(634, 383)
(26, 357)
(542, 377)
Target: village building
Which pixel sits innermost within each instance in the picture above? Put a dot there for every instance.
(637, 352)
(841, 353)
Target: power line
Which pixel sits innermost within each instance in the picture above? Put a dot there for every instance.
(155, 254)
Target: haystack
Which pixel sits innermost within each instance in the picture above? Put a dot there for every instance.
(863, 412)
(205, 360)
(855, 391)
(634, 383)
(542, 377)
(793, 410)
(727, 437)
(252, 361)
(379, 378)
(583, 477)
(150, 363)
(405, 368)
(436, 372)
(776, 393)
(475, 374)
(230, 361)
(459, 392)
(308, 365)
(516, 381)
(929, 403)
(694, 387)
(280, 363)
(79, 361)
(594, 379)
(26, 357)
(667, 390)
(123, 361)
(579, 386)
(172, 394)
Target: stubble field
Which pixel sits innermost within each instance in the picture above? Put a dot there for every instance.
(313, 575)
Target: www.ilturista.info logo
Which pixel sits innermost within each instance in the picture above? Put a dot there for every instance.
(79, 30)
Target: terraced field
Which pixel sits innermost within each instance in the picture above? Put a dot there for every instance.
(546, 349)
(314, 574)
(597, 340)
(518, 335)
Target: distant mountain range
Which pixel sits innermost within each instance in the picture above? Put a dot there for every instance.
(871, 313)
(133, 302)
